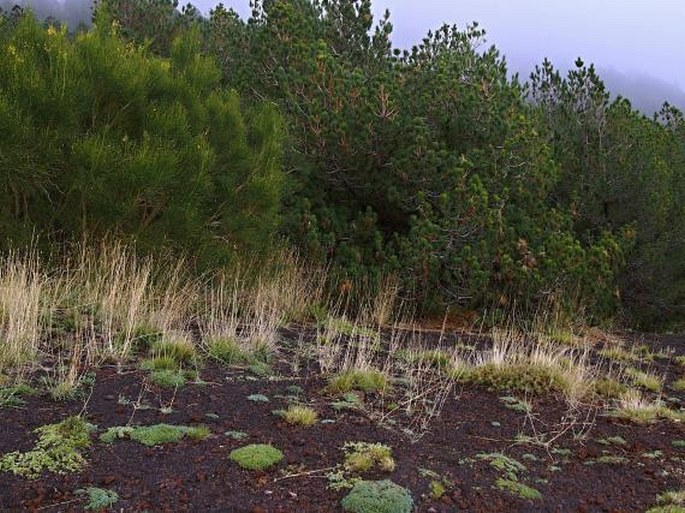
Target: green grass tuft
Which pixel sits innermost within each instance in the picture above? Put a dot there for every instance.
(159, 363)
(608, 388)
(644, 379)
(670, 502)
(13, 397)
(181, 350)
(612, 440)
(608, 459)
(367, 381)
(513, 403)
(228, 351)
(504, 463)
(237, 435)
(168, 378)
(258, 398)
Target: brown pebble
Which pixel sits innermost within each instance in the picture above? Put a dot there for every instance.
(108, 479)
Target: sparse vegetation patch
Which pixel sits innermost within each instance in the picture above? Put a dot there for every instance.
(157, 434)
(519, 489)
(99, 498)
(59, 449)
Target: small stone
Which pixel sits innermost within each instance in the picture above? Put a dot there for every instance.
(108, 479)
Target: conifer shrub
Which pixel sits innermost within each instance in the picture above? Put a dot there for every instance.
(111, 138)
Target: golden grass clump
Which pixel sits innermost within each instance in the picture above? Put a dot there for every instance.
(517, 363)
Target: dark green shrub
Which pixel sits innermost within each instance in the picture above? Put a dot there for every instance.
(110, 138)
(415, 172)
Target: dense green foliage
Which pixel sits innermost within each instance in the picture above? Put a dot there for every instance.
(100, 136)
(622, 173)
(432, 165)
(428, 164)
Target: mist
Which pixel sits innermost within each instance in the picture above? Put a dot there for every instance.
(71, 12)
(646, 93)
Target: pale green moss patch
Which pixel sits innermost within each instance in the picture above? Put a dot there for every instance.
(58, 450)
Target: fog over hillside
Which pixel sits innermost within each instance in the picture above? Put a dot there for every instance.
(647, 93)
(73, 12)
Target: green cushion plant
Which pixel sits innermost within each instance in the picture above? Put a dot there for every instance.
(378, 497)
(256, 456)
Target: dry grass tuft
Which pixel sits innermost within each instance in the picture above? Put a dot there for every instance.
(635, 407)
(24, 298)
(516, 362)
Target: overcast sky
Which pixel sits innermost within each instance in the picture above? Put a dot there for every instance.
(639, 45)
